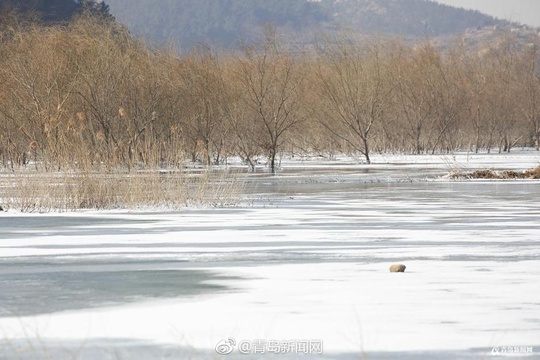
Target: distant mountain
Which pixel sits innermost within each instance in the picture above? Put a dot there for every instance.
(219, 22)
(226, 22)
(416, 18)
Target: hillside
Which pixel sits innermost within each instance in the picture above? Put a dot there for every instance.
(418, 18)
(53, 11)
(219, 22)
(184, 23)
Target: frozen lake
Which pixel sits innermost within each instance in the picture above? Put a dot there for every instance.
(304, 261)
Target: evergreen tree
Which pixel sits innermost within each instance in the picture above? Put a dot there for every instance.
(55, 11)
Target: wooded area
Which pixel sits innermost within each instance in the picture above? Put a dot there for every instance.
(89, 95)
(226, 23)
(51, 11)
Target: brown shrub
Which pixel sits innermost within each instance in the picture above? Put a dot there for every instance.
(533, 173)
(484, 174)
(510, 174)
(490, 174)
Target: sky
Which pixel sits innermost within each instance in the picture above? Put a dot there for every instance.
(522, 11)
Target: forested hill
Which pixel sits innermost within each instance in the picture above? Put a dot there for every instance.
(225, 22)
(219, 22)
(54, 11)
(416, 18)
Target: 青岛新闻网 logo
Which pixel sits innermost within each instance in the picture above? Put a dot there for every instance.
(225, 347)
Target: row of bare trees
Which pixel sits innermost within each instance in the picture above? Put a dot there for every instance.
(88, 94)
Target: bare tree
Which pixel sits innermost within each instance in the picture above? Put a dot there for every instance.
(502, 63)
(42, 90)
(476, 86)
(355, 88)
(272, 89)
(449, 99)
(245, 142)
(529, 78)
(415, 78)
(204, 96)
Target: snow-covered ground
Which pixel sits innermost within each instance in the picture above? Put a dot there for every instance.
(302, 267)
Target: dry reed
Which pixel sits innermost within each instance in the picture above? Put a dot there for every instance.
(30, 191)
(531, 174)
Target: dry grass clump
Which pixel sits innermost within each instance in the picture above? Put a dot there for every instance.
(30, 191)
(511, 174)
(484, 174)
(504, 175)
(533, 173)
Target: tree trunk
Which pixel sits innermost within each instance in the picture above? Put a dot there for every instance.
(273, 161)
(366, 151)
(477, 140)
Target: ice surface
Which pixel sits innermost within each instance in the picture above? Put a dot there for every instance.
(307, 260)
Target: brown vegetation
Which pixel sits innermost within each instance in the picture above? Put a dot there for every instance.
(89, 94)
(88, 98)
(29, 191)
(531, 174)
